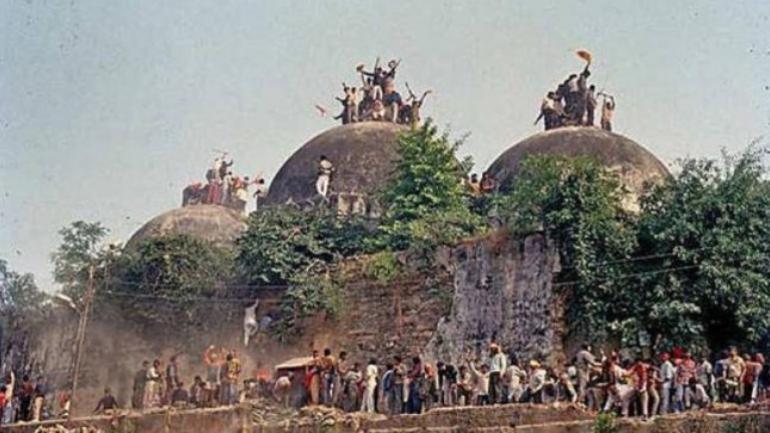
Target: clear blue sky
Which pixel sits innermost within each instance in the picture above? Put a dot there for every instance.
(107, 109)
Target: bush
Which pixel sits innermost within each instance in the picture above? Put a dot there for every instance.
(165, 276)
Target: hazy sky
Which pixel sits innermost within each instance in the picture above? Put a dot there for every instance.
(108, 108)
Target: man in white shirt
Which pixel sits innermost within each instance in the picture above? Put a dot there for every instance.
(515, 376)
(667, 374)
(697, 394)
(260, 191)
(370, 384)
(498, 366)
(325, 170)
(537, 381)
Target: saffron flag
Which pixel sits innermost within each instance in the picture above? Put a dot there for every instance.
(585, 55)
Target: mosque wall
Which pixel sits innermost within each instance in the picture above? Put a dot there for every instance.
(503, 292)
(493, 288)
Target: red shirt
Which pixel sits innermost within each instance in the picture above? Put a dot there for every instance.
(752, 371)
(640, 372)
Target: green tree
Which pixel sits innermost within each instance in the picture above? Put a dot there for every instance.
(23, 308)
(20, 297)
(577, 203)
(282, 241)
(426, 202)
(170, 278)
(81, 247)
(709, 227)
(299, 249)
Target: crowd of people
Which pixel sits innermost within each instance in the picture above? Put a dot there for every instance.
(673, 382)
(377, 98)
(224, 188)
(155, 386)
(23, 400)
(574, 102)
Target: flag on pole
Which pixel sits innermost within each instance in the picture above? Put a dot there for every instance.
(585, 55)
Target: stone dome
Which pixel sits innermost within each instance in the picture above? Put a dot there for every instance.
(217, 224)
(363, 155)
(636, 166)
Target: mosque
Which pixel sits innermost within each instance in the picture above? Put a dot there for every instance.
(365, 155)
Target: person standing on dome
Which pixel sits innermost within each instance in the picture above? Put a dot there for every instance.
(325, 170)
(581, 99)
(590, 105)
(370, 94)
(570, 97)
(551, 111)
(224, 166)
(260, 191)
(349, 103)
(608, 110)
(379, 75)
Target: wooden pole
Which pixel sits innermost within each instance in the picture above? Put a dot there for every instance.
(81, 336)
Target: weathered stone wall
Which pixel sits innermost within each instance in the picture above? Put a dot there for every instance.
(503, 292)
(500, 418)
(220, 420)
(379, 320)
(493, 288)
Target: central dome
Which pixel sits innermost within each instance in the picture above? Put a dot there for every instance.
(363, 154)
(635, 165)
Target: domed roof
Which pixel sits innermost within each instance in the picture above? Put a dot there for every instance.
(636, 165)
(213, 223)
(363, 155)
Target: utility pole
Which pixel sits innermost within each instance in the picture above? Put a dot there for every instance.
(81, 335)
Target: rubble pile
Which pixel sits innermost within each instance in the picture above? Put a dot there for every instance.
(270, 415)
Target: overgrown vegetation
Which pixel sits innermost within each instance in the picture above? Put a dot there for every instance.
(165, 280)
(426, 204)
(298, 249)
(80, 248)
(577, 203)
(281, 242)
(710, 226)
(690, 268)
(23, 307)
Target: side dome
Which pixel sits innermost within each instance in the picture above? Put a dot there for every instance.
(363, 154)
(217, 224)
(636, 166)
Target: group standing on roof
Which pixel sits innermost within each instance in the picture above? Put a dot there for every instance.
(574, 102)
(224, 188)
(377, 98)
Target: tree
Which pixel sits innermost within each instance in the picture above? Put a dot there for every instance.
(426, 202)
(284, 240)
(23, 307)
(709, 227)
(299, 249)
(19, 295)
(577, 203)
(81, 247)
(175, 280)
